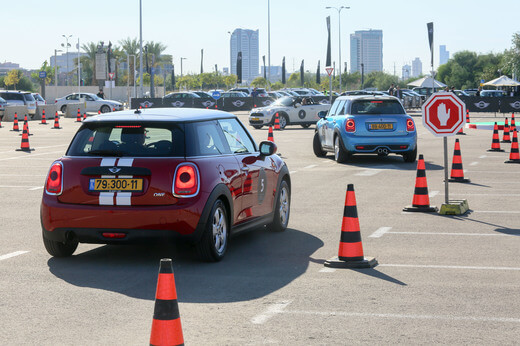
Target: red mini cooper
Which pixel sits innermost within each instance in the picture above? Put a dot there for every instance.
(159, 173)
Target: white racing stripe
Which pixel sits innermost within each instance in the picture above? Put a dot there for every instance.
(107, 198)
(124, 198)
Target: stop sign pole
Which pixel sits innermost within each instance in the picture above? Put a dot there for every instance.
(443, 115)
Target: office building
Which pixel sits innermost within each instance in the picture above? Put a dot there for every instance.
(416, 67)
(444, 55)
(406, 73)
(245, 41)
(66, 62)
(366, 47)
(276, 73)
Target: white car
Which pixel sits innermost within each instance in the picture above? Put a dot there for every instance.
(93, 102)
(291, 111)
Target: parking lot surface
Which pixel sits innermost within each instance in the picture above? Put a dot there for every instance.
(440, 279)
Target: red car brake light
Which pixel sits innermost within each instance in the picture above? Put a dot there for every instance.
(410, 126)
(54, 183)
(186, 180)
(350, 125)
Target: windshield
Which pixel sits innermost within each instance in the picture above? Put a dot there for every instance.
(377, 107)
(144, 139)
(284, 101)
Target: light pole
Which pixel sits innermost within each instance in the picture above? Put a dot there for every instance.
(268, 44)
(141, 48)
(56, 73)
(66, 46)
(339, 35)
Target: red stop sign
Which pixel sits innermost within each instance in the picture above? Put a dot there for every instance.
(443, 114)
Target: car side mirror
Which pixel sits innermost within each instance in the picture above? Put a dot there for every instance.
(296, 105)
(322, 114)
(267, 148)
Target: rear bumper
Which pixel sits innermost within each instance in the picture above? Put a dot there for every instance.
(87, 223)
(399, 144)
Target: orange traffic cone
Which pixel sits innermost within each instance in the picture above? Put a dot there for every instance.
(350, 253)
(514, 156)
(276, 121)
(506, 138)
(44, 120)
(26, 127)
(166, 325)
(25, 141)
(457, 173)
(15, 123)
(270, 136)
(56, 121)
(84, 116)
(461, 131)
(495, 144)
(513, 124)
(78, 117)
(421, 200)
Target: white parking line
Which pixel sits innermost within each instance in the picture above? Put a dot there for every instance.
(35, 188)
(31, 155)
(433, 194)
(310, 166)
(474, 163)
(405, 316)
(368, 172)
(12, 254)
(292, 172)
(435, 266)
(380, 232)
(496, 211)
(450, 233)
(271, 311)
(19, 187)
(482, 156)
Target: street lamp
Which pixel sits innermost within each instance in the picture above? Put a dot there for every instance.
(66, 46)
(339, 35)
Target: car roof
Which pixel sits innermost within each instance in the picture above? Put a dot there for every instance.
(162, 114)
(367, 97)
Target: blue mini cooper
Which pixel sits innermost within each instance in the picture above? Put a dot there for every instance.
(368, 124)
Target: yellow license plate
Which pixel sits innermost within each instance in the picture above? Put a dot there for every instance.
(255, 119)
(382, 126)
(116, 184)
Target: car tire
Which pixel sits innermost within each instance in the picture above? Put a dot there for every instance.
(104, 109)
(340, 155)
(63, 109)
(284, 120)
(213, 244)
(60, 249)
(316, 146)
(258, 127)
(305, 126)
(410, 156)
(282, 209)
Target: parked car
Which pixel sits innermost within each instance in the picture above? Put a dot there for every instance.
(93, 103)
(233, 94)
(291, 111)
(275, 94)
(247, 91)
(40, 101)
(460, 93)
(181, 95)
(20, 98)
(471, 92)
(490, 93)
(160, 173)
(302, 92)
(365, 125)
(3, 103)
(202, 94)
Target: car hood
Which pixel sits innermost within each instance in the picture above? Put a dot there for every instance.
(268, 109)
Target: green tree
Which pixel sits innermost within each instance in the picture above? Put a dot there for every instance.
(50, 73)
(277, 86)
(13, 78)
(230, 80)
(259, 82)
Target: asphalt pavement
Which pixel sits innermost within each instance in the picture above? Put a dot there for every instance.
(440, 279)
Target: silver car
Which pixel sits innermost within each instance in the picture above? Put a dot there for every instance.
(20, 98)
(93, 103)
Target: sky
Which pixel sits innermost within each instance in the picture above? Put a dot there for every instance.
(298, 28)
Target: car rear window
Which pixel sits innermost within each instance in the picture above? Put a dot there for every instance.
(29, 98)
(360, 107)
(146, 139)
(12, 96)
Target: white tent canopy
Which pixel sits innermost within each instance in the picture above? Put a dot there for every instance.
(427, 82)
(502, 81)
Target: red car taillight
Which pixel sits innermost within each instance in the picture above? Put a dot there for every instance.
(54, 183)
(186, 180)
(410, 126)
(350, 125)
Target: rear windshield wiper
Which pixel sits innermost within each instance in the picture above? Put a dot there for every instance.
(106, 153)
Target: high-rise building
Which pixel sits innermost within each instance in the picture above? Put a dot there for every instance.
(66, 62)
(366, 47)
(416, 67)
(245, 41)
(406, 74)
(444, 55)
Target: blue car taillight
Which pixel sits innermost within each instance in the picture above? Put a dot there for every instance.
(410, 126)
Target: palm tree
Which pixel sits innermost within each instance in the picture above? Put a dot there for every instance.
(89, 61)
